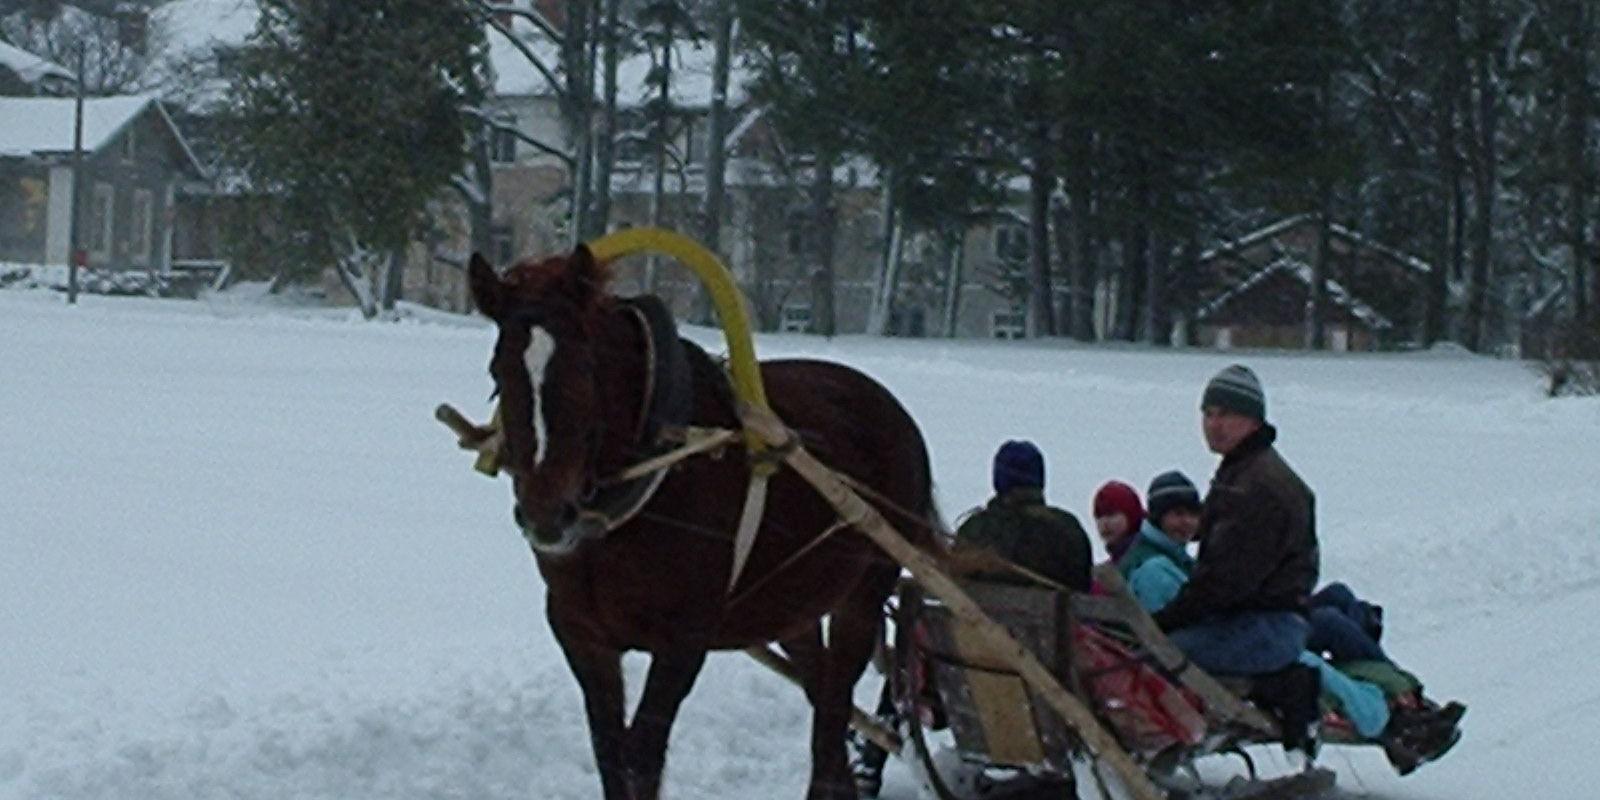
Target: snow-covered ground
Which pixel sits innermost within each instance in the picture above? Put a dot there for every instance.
(238, 558)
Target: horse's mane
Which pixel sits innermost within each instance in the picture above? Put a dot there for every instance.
(712, 373)
(578, 276)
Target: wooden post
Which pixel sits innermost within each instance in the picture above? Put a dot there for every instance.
(862, 516)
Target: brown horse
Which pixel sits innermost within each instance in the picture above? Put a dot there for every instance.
(589, 383)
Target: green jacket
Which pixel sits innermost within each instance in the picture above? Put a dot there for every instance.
(1020, 528)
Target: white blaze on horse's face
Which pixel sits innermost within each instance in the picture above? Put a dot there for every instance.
(541, 347)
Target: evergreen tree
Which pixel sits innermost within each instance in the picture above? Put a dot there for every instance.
(350, 116)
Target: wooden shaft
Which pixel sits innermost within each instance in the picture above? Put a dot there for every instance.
(861, 515)
(860, 720)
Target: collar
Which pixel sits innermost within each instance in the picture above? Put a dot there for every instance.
(1254, 443)
(1165, 544)
(1019, 496)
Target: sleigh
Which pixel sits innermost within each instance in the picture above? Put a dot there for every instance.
(975, 727)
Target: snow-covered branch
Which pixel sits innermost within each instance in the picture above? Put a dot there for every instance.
(511, 9)
(527, 52)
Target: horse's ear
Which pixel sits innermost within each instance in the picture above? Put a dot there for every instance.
(487, 290)
(585, 275)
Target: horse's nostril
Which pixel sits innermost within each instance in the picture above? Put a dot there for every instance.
(567, 516)
(516, 514)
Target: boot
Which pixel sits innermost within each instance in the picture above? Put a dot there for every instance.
(1424, 734)
(866, 765)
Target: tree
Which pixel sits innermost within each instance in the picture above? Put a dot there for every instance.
(809, 58)
(329, 99)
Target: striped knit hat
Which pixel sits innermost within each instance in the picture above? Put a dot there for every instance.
(1170, 490)
(1237, 389)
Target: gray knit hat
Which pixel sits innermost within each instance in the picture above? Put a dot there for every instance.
(1237, 389)
(1170, 490)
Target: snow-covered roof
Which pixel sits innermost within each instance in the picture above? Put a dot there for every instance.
(1304, 273)
(31, 68)
(1557, 295)
(32, 125)
(44, 125)
(1269, 231)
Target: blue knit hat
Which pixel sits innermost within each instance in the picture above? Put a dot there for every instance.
(1237, 389)
(1170, 490)
(1018, 464)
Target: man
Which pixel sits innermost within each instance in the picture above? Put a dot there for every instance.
(1242, 610)
(1019, 527)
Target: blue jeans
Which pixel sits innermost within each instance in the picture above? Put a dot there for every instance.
(1246, 643)
(1336, 628)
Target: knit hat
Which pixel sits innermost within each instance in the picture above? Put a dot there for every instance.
(1168, 491)
(1237, 389)
(1117, 497)
(1018, 464)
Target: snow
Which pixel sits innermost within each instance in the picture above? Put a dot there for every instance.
(30, 125)
(242, 560)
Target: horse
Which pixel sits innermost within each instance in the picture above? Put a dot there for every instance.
(591, 383)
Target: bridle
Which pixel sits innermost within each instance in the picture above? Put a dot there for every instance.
(606, 503)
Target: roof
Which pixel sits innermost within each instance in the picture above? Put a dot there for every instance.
(1550, 300)
(1304, 273)
(1287, 223)
(32, 126)
(31, 68)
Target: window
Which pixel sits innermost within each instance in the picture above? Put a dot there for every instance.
(794, 235)
(795, 319)
(1009, 323)
(502, 246)
(140, 218)
(1011, 243)
(130, 147)
(97, 230)
(503, 142)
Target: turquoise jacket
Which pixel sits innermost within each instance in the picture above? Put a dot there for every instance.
(1156, 567)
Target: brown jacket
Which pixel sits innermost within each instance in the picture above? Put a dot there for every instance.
(1258, 539)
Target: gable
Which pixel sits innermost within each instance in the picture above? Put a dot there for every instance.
(42, 128)
(1384, 281)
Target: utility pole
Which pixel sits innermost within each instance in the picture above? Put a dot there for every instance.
(75, 227)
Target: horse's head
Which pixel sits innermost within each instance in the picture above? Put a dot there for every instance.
(544, 368)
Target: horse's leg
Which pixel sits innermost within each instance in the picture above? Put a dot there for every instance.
(671, 676)
(599, 672)
(853, 632)
(805, 651)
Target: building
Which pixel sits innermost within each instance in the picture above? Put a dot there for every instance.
(1256, 290)
(134, 160)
